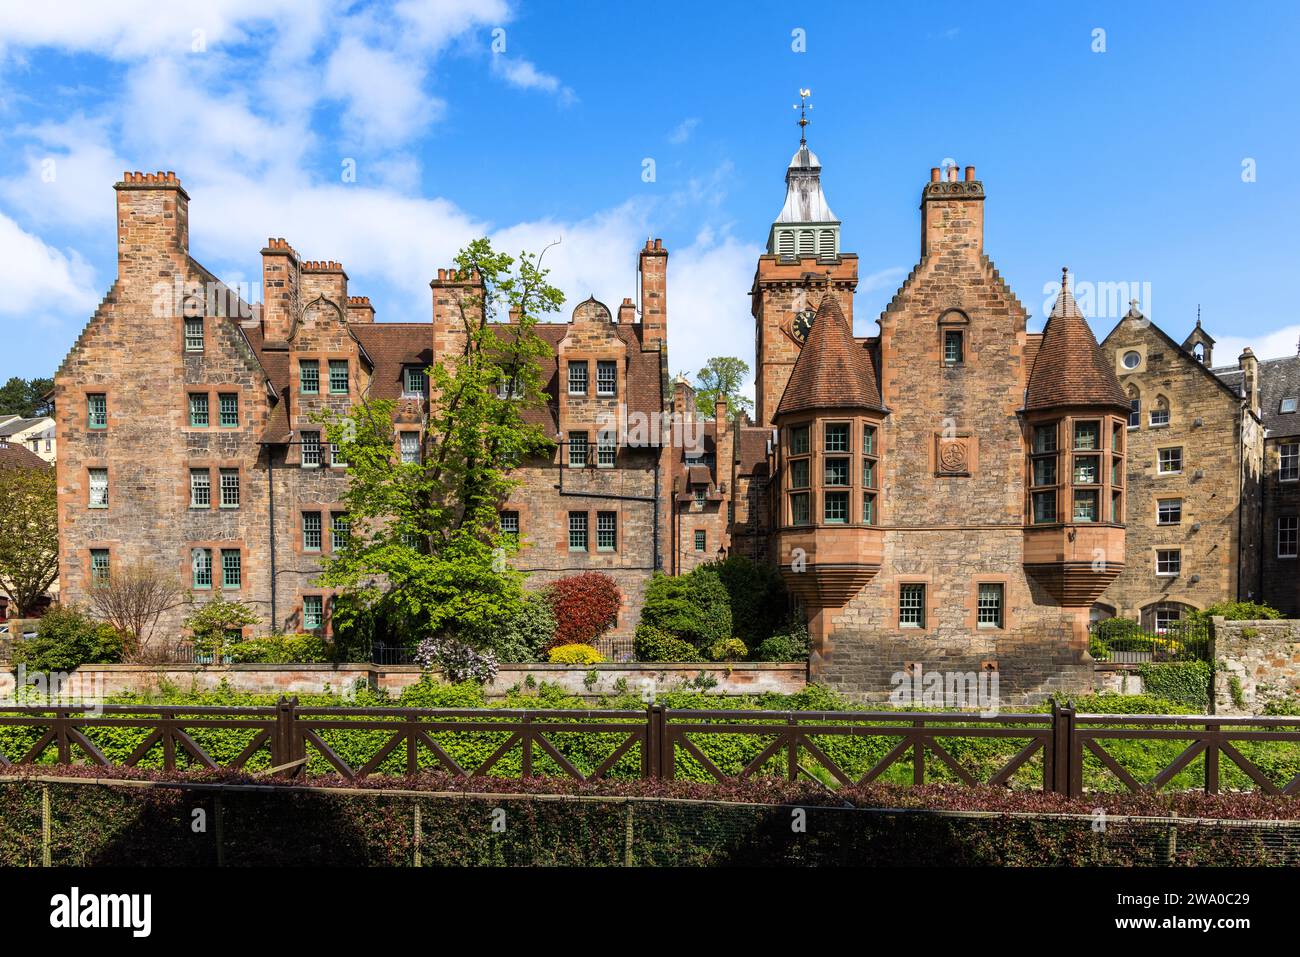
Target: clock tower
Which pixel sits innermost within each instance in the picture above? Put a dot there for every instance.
(803, 264)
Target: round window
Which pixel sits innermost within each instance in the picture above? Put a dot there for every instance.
(1132, 360)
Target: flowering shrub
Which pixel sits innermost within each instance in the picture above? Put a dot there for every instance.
(729, 649)
(575, 654)
(655, 644)
(456, 660)
(584, 606)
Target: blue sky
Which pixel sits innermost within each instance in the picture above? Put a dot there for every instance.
(1126, 165)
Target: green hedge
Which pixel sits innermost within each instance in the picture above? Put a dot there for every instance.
(96, 824)
(731, 753)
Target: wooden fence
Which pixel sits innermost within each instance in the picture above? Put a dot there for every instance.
(794, 744)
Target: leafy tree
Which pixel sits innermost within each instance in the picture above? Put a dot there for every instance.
(26, 397)
(66, 638)
(211, 623)
(426, 544)
(759, 601)
(693, 607)
(722, 377)
(29, 534)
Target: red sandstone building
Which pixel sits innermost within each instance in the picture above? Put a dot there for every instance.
(952, 493)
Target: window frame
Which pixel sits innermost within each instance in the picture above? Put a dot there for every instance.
(609, 366)
(909, 609)
(91, 474)
(310, 450)
(574, 445)
(201, 563)
(222, 398)
(1160, 460)
(226, 566)
(607, 524)
(998, 621)
(1176, 509)
(203, 500)
(318, 614)
(313, 530)
(701, 540)
(314, 366)
(96, 418)
(200, 406)
(1175, 563)
(953, 357)
(575, 366)
(1293, 533)
(1288, 471)
(579, 531)
(333, 367)
(187, 324)
(411, 455)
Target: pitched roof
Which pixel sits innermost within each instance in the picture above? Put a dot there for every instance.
(832, 371)
(18, 424)
(392, 346)
(751, 450)
(1278, 379)
(1069, 368)
(13, 455)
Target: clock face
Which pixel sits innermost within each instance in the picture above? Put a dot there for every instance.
(803, 321)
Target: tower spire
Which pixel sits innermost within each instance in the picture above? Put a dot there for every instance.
(803, 107)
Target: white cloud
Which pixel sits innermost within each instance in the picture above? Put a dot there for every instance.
(525, 75)
(383, 90)
(1277, 344)
(708, 312)
(130, 29)
(40, 282)
(66, 171)
(683, 130)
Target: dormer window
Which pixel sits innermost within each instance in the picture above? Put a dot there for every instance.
(414, 382)
(1287, 405)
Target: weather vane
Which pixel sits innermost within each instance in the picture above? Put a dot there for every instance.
(803, 106)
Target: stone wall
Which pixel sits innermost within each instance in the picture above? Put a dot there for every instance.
(1259, 660)
(739, 678)
(1281, 499)
(1206, 421)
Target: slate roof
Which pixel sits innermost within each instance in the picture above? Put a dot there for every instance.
(1069, 368)
(832, 371)
(1278, 379)
(16, 425)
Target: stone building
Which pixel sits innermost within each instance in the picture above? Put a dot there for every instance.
(1272, 388)
(193, 443)
(954, 493)
(1195, 457)
(947, 495)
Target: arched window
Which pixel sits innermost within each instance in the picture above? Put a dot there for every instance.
(1134, 407)
(1162, 616)
(1160, 412)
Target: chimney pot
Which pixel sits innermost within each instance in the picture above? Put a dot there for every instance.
(952, 174)
(934, 174)
(970, 174)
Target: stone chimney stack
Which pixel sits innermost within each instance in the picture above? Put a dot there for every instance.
(153, 220)
(683, 399)
(360, 309)
(453, 290)
(627, 312)
(281, 289)
(654, 294)
(952, 212)
(1250, 378)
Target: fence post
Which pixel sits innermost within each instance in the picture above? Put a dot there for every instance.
(652, 748)
(285, 740)
(61, 735)
(1063, 741)
(667, 750)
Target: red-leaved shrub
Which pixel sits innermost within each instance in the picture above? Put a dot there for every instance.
(584, 606)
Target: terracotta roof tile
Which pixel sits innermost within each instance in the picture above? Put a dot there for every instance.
(1069, 368)
(832, 371)
(13, 456)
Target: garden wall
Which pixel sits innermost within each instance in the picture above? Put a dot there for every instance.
(1117, 678)
(1256, 663)
(737, 678)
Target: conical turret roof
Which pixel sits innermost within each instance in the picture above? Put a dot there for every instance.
(1070, 368)
(832, 371)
